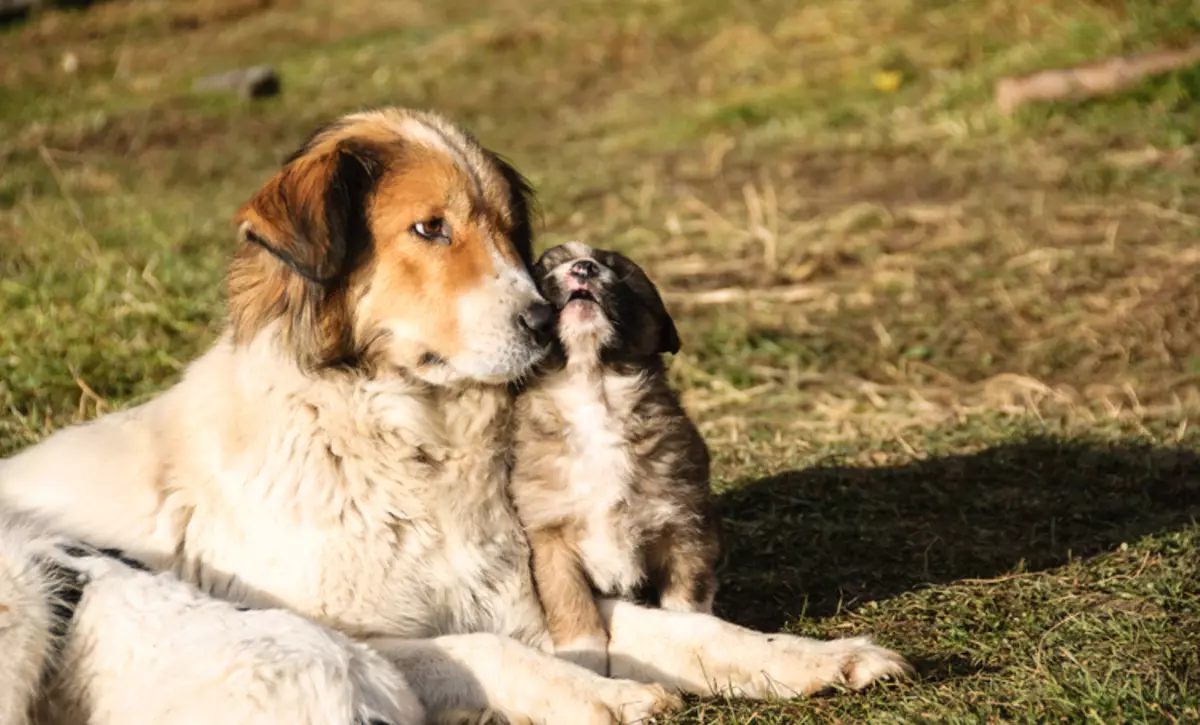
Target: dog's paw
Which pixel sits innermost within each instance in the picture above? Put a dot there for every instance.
(799, 666)
(478, 717)
(634, 702)
(601, 701)
(620, 703)
(863, 662)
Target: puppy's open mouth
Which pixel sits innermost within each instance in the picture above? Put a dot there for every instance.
(580, 308)
(580, 295)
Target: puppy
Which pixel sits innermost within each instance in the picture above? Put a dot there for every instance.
(611, 478)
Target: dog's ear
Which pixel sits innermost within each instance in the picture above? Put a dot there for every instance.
(300, 234)
(522, 205)
(309, 216)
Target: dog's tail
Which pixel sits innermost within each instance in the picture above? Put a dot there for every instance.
(29, 608)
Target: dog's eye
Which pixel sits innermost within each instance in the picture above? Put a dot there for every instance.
(432, 230)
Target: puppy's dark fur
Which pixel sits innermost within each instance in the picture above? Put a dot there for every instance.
(612, 478)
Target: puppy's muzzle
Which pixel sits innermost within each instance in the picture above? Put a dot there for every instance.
(584, 270)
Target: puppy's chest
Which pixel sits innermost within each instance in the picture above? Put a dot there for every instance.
(612, 517)
(598, 462)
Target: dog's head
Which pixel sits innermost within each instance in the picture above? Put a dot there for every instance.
(393, 239)
(608, 309)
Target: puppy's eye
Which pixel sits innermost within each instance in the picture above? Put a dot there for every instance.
(432, 230)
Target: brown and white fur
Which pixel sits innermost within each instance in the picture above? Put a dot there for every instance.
(612, 478)
(343, 452)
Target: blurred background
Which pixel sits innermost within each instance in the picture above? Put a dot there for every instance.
(932, 339)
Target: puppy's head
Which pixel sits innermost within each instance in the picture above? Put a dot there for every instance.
(393, 239)
(608, 309)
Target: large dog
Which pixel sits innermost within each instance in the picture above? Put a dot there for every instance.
(343, 452)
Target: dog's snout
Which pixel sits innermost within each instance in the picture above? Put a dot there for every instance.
(538, 317)
(585, 269)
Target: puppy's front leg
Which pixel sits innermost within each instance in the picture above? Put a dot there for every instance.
(685, 571)
(566, 596)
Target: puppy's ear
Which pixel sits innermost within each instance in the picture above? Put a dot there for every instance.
(660, 336)
(521, 204)
(309, 216)
(668, 339)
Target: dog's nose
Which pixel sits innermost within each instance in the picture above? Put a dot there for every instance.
(584, 269)
(538, 317)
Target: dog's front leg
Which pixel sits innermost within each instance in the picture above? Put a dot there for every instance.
(481, 672)
(703, 655)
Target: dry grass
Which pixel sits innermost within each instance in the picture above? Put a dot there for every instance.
(948, 362)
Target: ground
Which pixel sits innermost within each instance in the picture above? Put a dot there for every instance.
(948, 361)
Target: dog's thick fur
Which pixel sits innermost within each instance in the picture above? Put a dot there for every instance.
(612, 479)
(224, 661)
(343, 452)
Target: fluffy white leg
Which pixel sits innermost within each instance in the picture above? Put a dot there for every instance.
(150, 648)
(486, 672)
(700, 654)
(25, 621)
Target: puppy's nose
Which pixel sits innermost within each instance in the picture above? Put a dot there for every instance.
(584, 269)
(537, 318)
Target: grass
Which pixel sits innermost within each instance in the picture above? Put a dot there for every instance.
(952, 402)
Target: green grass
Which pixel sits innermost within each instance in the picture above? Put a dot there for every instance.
(971, 430)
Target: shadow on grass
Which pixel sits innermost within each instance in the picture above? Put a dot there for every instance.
(813, 541)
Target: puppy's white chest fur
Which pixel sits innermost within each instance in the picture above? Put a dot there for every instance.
(599, 477)
(600, 468)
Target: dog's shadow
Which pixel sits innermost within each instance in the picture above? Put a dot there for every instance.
(817, 540)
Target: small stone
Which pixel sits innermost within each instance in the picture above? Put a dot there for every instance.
(256, 82)
(13, 10)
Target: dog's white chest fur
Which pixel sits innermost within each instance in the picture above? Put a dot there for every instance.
(332, 550)
(599, 475)
(328, 497)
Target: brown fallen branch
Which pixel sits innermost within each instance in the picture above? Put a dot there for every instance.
(1095, 79)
